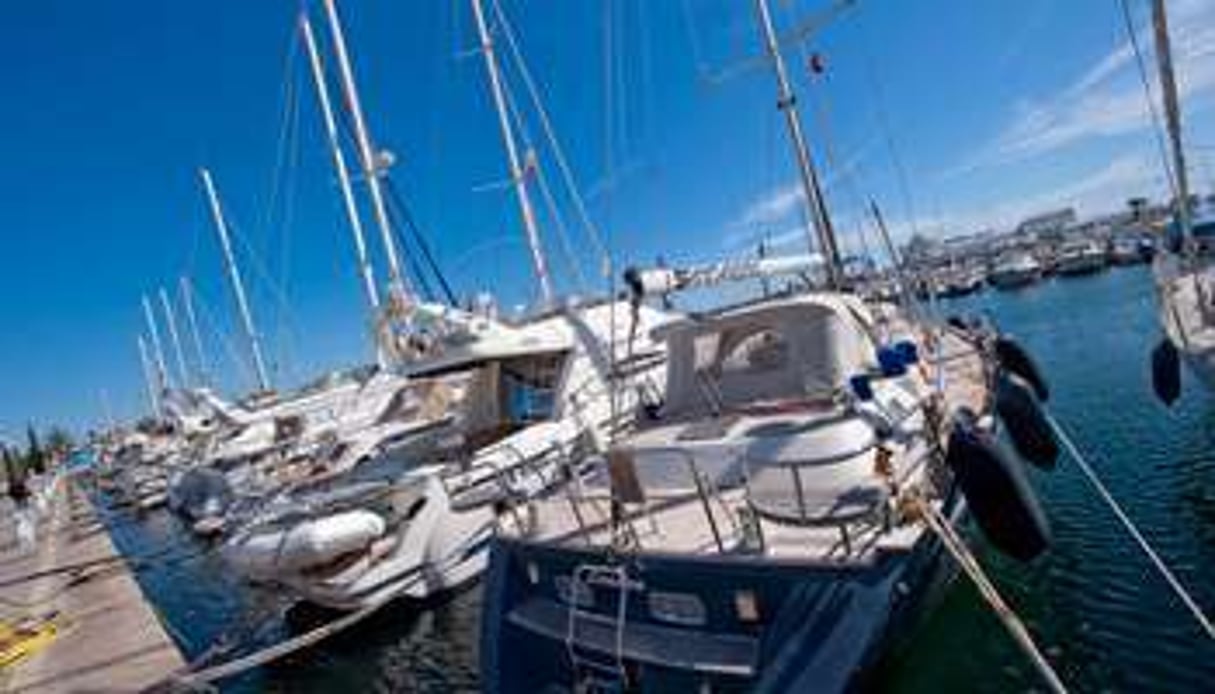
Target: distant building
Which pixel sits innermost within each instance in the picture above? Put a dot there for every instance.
(1048, 223)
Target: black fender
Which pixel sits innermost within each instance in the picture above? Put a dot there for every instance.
(1166, 372)
(1028, 429)
(998, 494)
(1015, 359)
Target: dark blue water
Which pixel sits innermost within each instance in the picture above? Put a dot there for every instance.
(1094, 605)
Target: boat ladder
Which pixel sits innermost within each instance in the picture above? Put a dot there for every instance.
(593, 670)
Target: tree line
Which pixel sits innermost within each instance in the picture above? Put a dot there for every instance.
(38, 455)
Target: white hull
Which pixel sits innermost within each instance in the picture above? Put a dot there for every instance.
(1189, 326)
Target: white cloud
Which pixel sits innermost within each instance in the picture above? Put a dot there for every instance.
(784, 204)
(1107, 99)
(1104, 101)
(776, 205)
(1104, 189)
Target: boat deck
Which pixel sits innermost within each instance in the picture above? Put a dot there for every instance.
(679, 520)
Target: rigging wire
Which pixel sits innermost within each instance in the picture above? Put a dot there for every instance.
(398, 201)
(883, 117)
(283, 332)
(401, 216)
(263, 272)
(399, 211)
(225, 340)
(1145, 82)
(558, 153)
(845, 171)
(532, 165)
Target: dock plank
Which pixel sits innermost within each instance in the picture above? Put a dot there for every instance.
(110, 639)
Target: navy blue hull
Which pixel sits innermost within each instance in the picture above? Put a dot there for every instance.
(761, 625)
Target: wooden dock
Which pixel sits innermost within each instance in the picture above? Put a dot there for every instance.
(103, 636)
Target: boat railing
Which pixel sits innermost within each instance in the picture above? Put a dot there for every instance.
(493, 479)
(627, 487)
(850, 504)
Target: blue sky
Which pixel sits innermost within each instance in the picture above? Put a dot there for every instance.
(992, 110)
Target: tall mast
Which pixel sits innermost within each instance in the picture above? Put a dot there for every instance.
(238, 287)
(187, 300)
(1172, 112)
(787, 103)
(183, 375)
(148, 379)
(367, 157)
(161, 371)
(512, 156)
(339, 163)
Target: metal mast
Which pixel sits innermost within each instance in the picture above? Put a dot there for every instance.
(238, 287)
(512, 155)
(183, 374)
(148, 379)
(367, 156)
(787, 103)
(339, 163)
(1172, 112)
(161, 371)
(187, 300)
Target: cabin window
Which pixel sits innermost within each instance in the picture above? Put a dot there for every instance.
(529, 388)
(683, 609)
(761, 351)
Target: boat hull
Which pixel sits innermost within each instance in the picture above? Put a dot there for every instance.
(1013, 279)
(1080, 265)
(818, 626)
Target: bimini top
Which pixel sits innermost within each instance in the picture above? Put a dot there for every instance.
(798, 347)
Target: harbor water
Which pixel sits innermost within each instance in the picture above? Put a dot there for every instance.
(1104, 619)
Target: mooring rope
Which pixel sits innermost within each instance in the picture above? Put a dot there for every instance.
(1105, 495)
(1012, 623)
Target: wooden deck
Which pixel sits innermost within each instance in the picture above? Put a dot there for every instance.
(108, 637)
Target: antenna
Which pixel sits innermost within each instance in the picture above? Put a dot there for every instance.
(787, 103)
(398, 285)
(174, 338)
(238, 287)
(517, 172)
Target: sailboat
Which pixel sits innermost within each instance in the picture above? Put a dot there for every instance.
(521, 397)
(1082, 257)
(764, 529)
(1185, 278)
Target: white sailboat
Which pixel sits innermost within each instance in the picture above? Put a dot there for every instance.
(1083, 257)
(534, 393)
(1014, 269)
(417, 523)
(764, 531)
(1185, 276)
